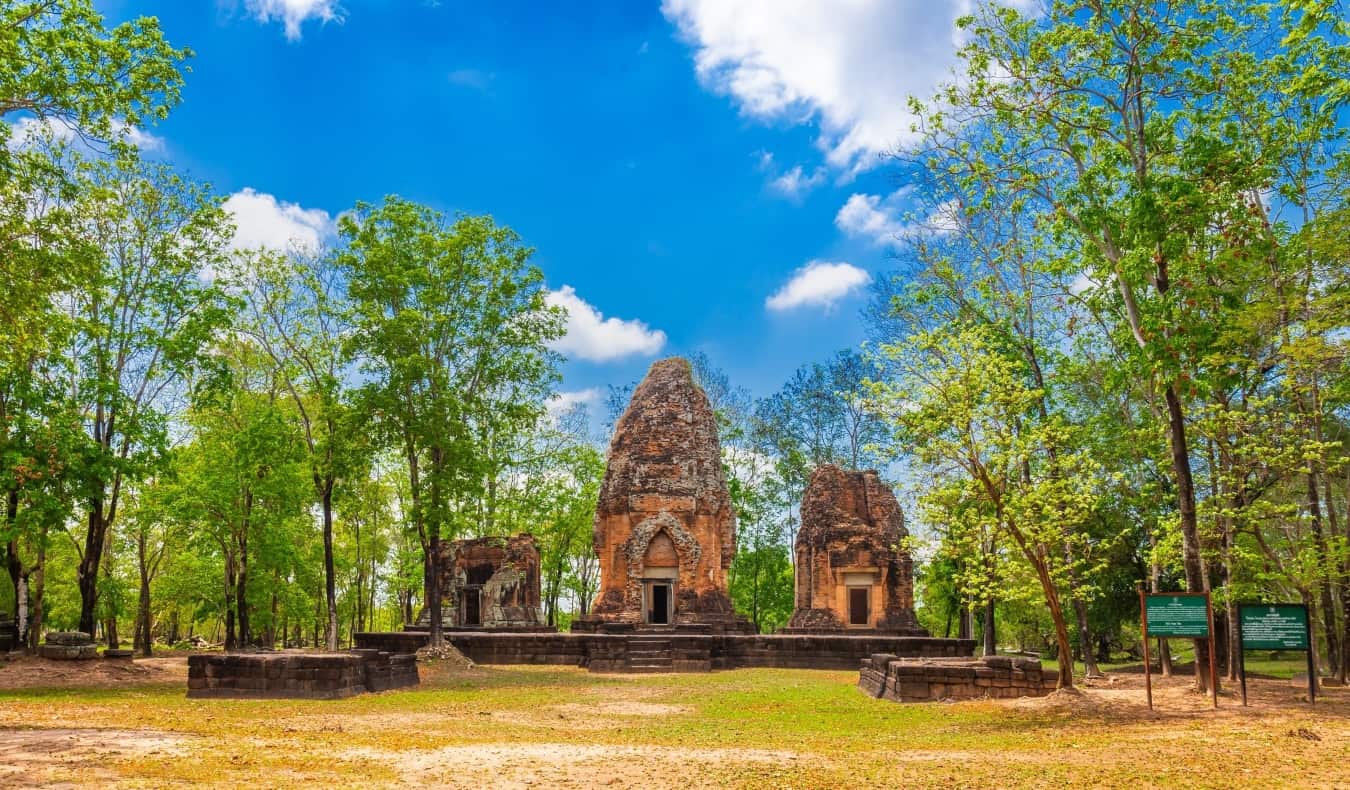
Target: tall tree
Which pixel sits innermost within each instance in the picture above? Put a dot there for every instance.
(142, 321)
(448, 316)
(299, 316)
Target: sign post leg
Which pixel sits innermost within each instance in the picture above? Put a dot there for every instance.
(1242, 671)
(1143, 631)
(1312, 661)
(1213, 675)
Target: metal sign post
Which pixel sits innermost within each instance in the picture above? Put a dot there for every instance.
(1276, 626)
(1187, 615)
(1143, 630)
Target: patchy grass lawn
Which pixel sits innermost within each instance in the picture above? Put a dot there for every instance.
(563, 727)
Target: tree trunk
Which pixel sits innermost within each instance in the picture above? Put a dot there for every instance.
(86, 573)
(990, 633)
(330, 582)
(1061, 629)
(1190, 532)
(38, 582)
(1080, 617)
(231, 643)
(241, 595)
(1329, 627)
(143, 640)
(145, 643)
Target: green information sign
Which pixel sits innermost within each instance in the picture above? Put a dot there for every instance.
(1177, 615)
(1279, 626)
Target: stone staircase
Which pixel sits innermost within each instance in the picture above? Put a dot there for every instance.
(650, 653)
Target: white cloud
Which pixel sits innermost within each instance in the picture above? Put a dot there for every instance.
(562, 402)
(28, 130)
(946, 217)
(795, 182)
(593, 337)
(872, 217)
(263, 221)
(292, 14)
(850, 66)
(818, 283)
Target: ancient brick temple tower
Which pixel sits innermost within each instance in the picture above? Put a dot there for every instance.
(664, 528)
(853, 571)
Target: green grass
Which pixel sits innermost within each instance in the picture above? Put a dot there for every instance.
(790, 728)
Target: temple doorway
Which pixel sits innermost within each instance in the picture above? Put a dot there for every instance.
(859, 606)
(472, 607)
(658, 604)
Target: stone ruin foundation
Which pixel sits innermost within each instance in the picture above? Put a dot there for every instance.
(9, 634)
(68, 646)
(299, 675)
(853, 572)
(664, 530)
(488, 583)
(886, 676)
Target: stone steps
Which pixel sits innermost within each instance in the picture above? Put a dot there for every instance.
(649, 654)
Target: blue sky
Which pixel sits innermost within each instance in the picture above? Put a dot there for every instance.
(704, 174)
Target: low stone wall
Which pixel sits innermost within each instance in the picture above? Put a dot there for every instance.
(9, 634)
(391, 641)
(68, 646)
(887, 676)
(298, 675)
(608, 652)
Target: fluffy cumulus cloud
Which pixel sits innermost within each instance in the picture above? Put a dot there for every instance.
(292, 14)
(563, 402)
(592, 337)
(796, 182)
(261, 220)
(849, 66)
(818, 284)
(872, 217)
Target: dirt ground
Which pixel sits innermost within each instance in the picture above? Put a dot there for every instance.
(33, 672)
(70, 724)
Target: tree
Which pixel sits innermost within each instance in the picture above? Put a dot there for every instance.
(1117, 116)
(448, 316)
(62, 65)
(141, 322)
(298, 315)
(964, 405)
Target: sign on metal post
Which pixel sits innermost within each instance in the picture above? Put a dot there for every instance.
(1275, 626)
(1177, 615)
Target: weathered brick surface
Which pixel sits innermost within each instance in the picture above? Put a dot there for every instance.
(608, 652)
(920, 680)
(298, 675)
(502, 572)
(664, 505)
(852, 535)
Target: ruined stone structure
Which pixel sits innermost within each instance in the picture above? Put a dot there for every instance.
(9, 634)
(490, 583)
(664, 527)
(299, 675)
(886, 676)
(68, 646)
(852, 571)
(684, 651)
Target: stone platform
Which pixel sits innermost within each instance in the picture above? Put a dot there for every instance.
(299, 675)
(68, 646)
(887, 676)
(656, 651)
